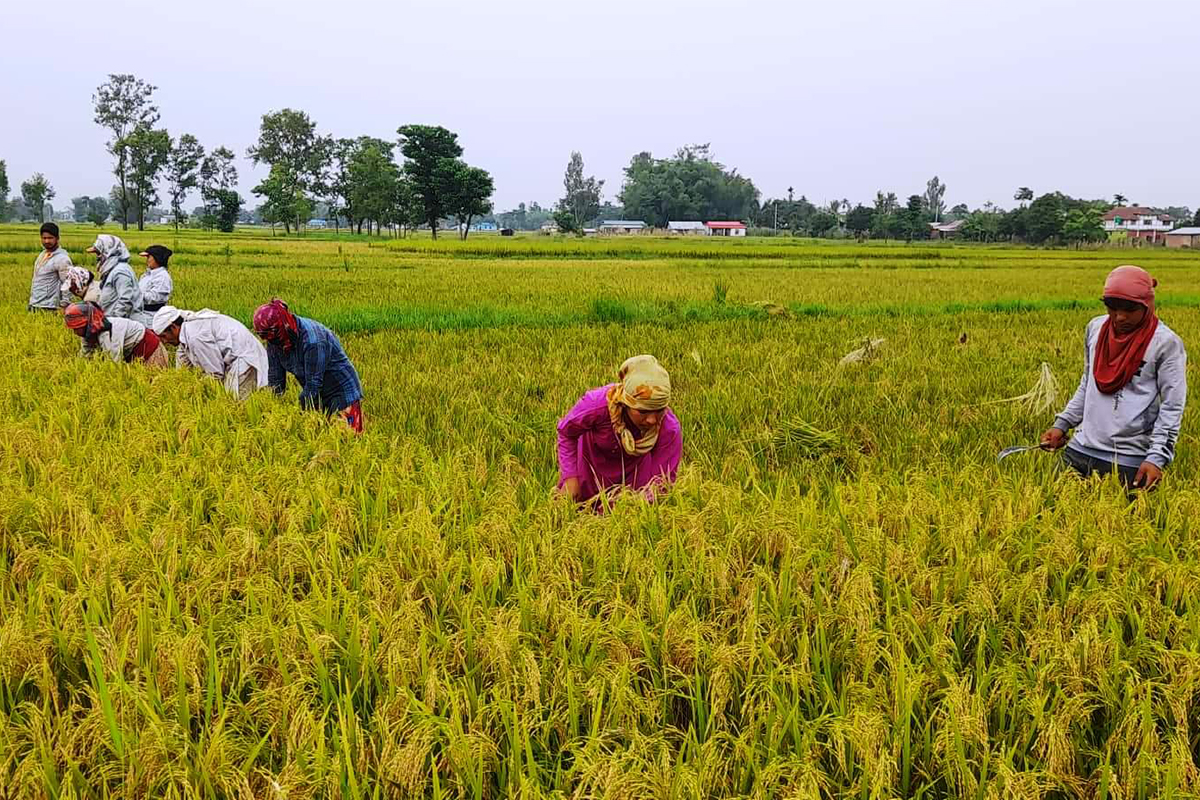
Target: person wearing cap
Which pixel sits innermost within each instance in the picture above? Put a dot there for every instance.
(155, 283)
(1128, 407)
(621, 436)
(49, 273)
(312, 353)
(120, 339)
(119, 292)
(219, 345)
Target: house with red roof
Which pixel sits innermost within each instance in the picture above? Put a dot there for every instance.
(1137, 222)
(726, 228)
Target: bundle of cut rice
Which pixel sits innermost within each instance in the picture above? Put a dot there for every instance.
(804, 439)
(1043, 397)
(867, 350)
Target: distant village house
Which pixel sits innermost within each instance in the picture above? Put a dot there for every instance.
(685, 228)
(1137, 223)
(945, 230)
(726, 228)
(620, 227)
(1184, 237)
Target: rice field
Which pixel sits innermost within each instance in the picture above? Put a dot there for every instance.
(844, 595)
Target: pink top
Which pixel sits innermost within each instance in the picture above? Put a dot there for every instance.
(588, 450)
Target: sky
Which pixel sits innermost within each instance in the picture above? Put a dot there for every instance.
(835, 99)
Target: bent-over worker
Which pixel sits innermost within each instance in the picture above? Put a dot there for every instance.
(1129, 404)
(219, 345)
(119, 338)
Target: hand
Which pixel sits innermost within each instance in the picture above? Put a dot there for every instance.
(570, 488)
(1053, 439)
(1147, 476)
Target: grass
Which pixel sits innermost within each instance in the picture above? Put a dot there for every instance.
(201, 599)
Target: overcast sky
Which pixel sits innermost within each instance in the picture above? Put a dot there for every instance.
(837, 99)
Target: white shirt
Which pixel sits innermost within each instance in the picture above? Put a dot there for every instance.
(156, 286)
(118, 342)
(221, 346)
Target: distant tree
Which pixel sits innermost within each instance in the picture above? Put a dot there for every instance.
(183, 173)
(935, 192)
(372, 178)
(982, 226)
(1196, 219)
(913, 218)
(97, 211)
(960, 211)
(217, 174)
(79, 208)
(565, 220)
(1084, 226)
(688, 186)
(1120, 200)
(147, 151)
(4, 190)
(431, 153)
(582, 195)
(36, 192)
(858, 221)
(1015, 224)
(821, 223)
(1046, 218)
(471, 195)
(1023, 195)
(122, 104)
(288, 142)
(228, 209)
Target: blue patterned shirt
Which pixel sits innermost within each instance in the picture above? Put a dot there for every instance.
(327, 379)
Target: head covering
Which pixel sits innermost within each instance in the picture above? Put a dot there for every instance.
(164, 318)
(1119, 355)
(161, 254)
(643, 384)
(77, 280)
(85, 319)
(274, 323)
(111, 250)
(50, 228)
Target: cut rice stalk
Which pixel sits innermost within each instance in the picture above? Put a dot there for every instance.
(1041, 398)
(868, 349)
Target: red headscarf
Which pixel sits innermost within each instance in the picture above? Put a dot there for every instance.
(1120, 355)
(85, 319)
(274, 323)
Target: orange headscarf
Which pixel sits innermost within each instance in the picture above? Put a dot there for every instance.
(1120, 355)
(642, 383)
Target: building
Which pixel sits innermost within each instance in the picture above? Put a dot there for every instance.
(485, 227)
(622, 226)
(317, 223)
(687, 228)
(549, 228)
(945, 230)
(1137, 222)
(1184, 237)
(726, 228)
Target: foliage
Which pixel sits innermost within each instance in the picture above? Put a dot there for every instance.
(98, 211)
(299, 158)
(581, 198)
(1084, 226)
(1023, 195)
(430, 153)
(688, 186)
(1046, 218)
(147, 151)
(121, 104)
(36, 193)
(914, 221)
(228, 208)
(470, 196)
(858, 220)
(4, 188)
(935, 204)
(183, 173)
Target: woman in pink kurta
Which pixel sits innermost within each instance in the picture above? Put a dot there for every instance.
(621, 436)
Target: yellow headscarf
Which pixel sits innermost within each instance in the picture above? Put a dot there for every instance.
(642, 383)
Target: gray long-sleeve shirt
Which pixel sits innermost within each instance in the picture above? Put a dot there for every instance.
(120, 295)
(49, 272)
(1139, 422)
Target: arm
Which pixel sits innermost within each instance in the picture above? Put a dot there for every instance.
(316, 358)
(664, 461)
(1172, 393)
(122, 305)
(158, 288)
(276, 375)
(570, 428)
(63, 266)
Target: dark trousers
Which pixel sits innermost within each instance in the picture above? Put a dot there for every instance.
(1087, 467)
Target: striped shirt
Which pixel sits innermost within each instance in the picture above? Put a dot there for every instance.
(328, 381)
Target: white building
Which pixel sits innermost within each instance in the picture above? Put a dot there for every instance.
(622, 226)
(1137, 222)
(686, 228)
(726, 228)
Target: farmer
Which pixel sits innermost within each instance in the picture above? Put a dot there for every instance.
(216, 344)
(121, 339)
(1129, 403)
(156, 284)
(119, 292)
(621, 436)
(83, 284)
(49, 272)
(312, 353)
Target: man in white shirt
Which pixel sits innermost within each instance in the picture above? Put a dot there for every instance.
(49, 272)
(216, 344)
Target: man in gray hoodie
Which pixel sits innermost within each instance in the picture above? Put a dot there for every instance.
(49, 272)
(1128, 407)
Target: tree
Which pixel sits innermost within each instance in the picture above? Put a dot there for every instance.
(821, 223)
(858, 221)
(471, 195)
(913, 221)
(688, 186)
(582, 197)
(122, 104)
(4, 189)
(79, 208)
(288, 141)
(960, 211)
(430, 152)
(229, 207)
(217, 173)
(122, 209)
(372, 178)
(147, 151)
(565, 220)
(36, 192)
(935, 191)
(97, 211)
(1083, 226)
(1120, 200)
(982, 226)
(183, 173)
(1023, 195)
(1046, 218)
(1196, 220)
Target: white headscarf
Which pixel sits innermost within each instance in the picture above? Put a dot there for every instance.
(77, 280)
(165, 317)
(112, 251)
